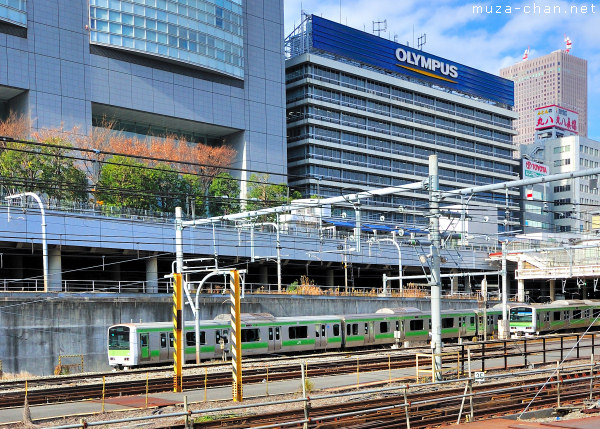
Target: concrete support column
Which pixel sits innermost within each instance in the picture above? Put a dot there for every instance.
(467, 284)
(520, 284)
(552, 290)
(264, 275)
(453, 285)
(329, 278)
(152, 275)
(54, 269)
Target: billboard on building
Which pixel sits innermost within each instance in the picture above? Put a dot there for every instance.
(534, 169)
(372, 50)
(556, 116)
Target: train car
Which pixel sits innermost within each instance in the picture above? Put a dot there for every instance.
(557, 316)
(487, 322)
(378, 328)
(137, 344)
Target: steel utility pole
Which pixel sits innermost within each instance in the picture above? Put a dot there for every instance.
(44, 241)
(436, 284)
(505, 322)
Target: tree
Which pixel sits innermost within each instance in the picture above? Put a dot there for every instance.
(124, 182)
(224, 192)
(263, 194)
(15, 126)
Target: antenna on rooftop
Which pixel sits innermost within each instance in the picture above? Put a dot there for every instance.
(379, 26)
(421, 40)
(568, 44)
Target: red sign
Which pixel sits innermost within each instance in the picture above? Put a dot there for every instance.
(556, 116)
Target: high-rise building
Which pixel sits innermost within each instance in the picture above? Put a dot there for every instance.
(558, 78)
(365, 112)
(208, 70)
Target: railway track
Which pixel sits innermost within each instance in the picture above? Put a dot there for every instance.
(427, 409)
(86, 386)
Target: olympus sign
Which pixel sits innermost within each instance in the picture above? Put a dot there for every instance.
(426, 63)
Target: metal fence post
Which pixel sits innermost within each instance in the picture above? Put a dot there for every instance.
(406, 408)
(544, 348)
(305, 425)
(525, 353)
(558, 383)
(591, 375)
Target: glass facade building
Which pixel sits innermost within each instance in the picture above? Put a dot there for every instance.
(207, 33)
(14, 12)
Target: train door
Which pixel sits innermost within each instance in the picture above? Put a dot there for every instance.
(144, 347)
(274, 338)
(221, 340)
(164, 348)
(320, 337)
(369, 332)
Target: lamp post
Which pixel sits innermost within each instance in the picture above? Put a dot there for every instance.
(44, 242)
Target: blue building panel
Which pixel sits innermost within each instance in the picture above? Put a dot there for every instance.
(369, 49)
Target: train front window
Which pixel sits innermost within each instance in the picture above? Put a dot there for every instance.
(118, 338)
(520, 314)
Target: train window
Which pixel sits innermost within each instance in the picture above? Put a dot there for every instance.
(322, 330)
(225, 336)
(566, 315)
(217, 337)
(430, 324)
(297, 332)
(576, 314)
(416, 325)
(144, 340)
(384, 327)
(397, 325)
(277, 336)
(118, 338)
(596, 313)
(336, 330)
(317, 335)
(472, 320)
(448, 322)
(355, 329)
(556, 315)
(366, 328)
(586, 314)
(547, 316)
(348, 329)
(171, 340)
(163, 340)
(270, 334)
(251, 335)
(190, 339)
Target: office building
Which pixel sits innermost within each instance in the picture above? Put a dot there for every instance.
(571, 204)
(365, 112)
(558, 78)
(210, 71)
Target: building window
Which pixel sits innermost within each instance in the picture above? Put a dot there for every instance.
(207, 33)
(14, 11)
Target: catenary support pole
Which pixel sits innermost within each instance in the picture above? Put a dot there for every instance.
(505, 323)
(434, 230)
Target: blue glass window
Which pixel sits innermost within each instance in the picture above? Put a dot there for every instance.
(188, 33)
(14, 11)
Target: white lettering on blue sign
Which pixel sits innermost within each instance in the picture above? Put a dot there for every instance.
(426, 63)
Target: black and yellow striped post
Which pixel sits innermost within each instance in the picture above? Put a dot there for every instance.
(236, 336)
(178, 333)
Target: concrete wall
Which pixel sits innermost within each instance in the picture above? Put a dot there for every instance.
(36, 328)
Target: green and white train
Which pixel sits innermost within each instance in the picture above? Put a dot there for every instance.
(137, 344)
(558, 316)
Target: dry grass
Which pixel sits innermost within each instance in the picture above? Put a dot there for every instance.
(23, 375)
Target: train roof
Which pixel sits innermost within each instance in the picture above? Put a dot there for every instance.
(399, 310)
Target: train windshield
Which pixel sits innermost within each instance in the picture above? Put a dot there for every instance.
(520, 314)
(118, 338)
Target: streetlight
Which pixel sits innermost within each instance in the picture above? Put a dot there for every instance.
(44, 243)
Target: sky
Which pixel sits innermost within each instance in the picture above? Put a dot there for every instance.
(487, 41)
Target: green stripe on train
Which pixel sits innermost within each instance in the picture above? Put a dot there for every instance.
(334, 340)
(117, 353)
(355, 338)
(246, 346)
(520, 324)
(382, 336)
(303, 342)
(416, 333)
